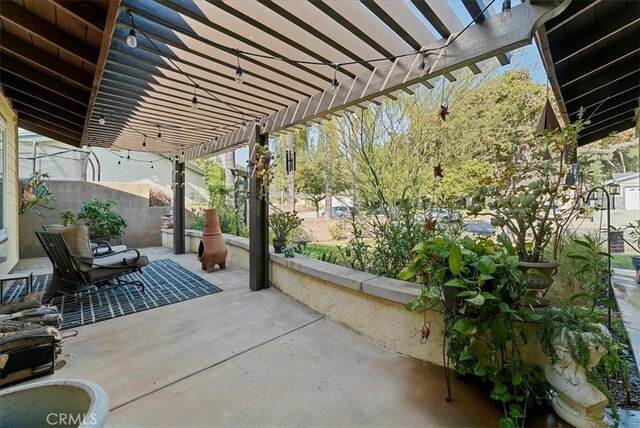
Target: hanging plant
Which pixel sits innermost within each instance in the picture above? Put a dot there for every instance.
(262, 168)
(36, 194)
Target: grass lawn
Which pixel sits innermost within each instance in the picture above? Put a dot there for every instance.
(621, 261)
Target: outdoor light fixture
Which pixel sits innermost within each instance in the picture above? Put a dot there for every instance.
(102, 120)
(290, 161)
(506, 11)
(334, 83)
(132, 41)
(614, 190)
(194, 100)
(423, 64)
(239, 78)
(159, 136)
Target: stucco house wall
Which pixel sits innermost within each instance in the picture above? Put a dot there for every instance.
(78, 165)
(9, 243)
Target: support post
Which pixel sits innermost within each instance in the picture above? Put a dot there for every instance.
(258, 222)
(178, 207)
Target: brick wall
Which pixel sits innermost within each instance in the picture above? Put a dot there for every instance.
(143, 221)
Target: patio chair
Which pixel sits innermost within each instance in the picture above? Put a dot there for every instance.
(77, 271)
(99, 247)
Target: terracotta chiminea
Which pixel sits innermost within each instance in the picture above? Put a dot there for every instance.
(212, 250)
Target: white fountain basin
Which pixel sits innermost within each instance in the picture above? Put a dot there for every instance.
(59, 403)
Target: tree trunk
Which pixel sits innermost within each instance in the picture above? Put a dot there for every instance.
(328, 194)
(229, 164)
(291, 179)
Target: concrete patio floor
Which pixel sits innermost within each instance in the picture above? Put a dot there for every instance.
(241, 358)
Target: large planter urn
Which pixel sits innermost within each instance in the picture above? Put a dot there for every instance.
(577, 401)
(212, 250)
(539, 278)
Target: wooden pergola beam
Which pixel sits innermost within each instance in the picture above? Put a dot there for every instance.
(25, 124)
(478, 43)
(43, 80)
(84, 11)
(109, 28)
(45, 30)
(52, 63)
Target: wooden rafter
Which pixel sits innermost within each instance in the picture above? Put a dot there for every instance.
(476, 44)
(48, 32)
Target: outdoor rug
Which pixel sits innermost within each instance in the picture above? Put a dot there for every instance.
(165, 283)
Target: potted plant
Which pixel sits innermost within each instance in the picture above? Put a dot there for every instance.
(282, 224)
(35, 193)
(102, 219)
(535, 205)
(483, 290)
(575, 341)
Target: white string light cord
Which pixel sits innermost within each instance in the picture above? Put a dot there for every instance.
(336, 66)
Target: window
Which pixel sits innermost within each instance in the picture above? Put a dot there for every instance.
(3, 198)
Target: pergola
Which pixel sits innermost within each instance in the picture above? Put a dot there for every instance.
(72, 73)
(592, 55)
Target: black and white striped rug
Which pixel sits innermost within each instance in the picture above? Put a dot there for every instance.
(165, 283)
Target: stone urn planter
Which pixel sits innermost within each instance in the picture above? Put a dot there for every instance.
(539, 279)
(212, 250)
(577, 401)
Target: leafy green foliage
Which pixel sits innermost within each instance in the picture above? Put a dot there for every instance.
(36, 194)
(102, 218)
(283, 223)
(527, 196)
(483, 291)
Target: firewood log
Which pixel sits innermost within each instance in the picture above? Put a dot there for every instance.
(8, 326)
(3, 360)
(10, 308)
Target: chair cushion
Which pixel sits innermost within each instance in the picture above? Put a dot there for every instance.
(99, 274)
(116, 259)
(77, 240)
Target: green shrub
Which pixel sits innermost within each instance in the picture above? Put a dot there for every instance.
(101, 218)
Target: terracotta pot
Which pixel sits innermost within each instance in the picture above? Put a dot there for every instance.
(212, 250)
(539, 278)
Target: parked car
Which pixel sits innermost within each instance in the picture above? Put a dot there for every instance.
(339, 212)
(440, 214)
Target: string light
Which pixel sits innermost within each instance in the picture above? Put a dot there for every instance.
(194, 100)
(159, 136)
(506, 11)
(119, 162)
(239, 78)
(334, 83)
(144, 142)
(132, 40)
(423, 64)
(102, 119)
(151, 165)
(128, 154)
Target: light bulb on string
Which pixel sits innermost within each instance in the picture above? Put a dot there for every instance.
(132, 40)
(423, 63)
(144, 142)
(194, 100)
(239, 74)
(334, 83)
(506, 11)
(119, 162)
(151, 165)
(128, 154)
(102, 119)
(159, 136)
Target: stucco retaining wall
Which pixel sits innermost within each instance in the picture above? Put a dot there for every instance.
(369, 304)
